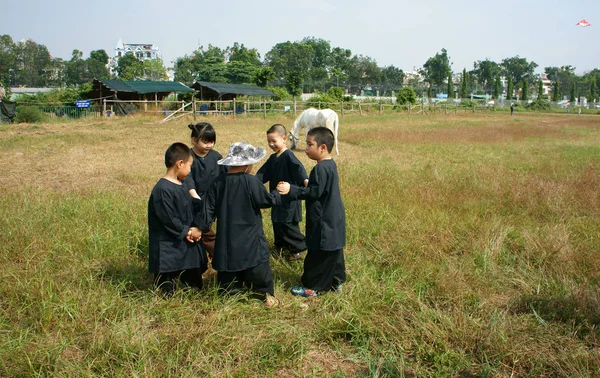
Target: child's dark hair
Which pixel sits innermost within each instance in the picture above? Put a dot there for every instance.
(277, 129)
(177, 151)
(322, 135)
(203, 131)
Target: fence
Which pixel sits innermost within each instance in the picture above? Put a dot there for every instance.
(171, 110)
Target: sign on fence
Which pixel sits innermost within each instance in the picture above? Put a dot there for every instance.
(441, 95)
(82, 103)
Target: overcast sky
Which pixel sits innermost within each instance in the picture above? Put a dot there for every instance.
(392, 32)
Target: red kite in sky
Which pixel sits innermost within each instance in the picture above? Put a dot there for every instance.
(583, 23)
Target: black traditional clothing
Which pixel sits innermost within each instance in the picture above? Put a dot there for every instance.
(235, 199)
(204, 171)
(325, 227)
(285, 217)
(170, 216)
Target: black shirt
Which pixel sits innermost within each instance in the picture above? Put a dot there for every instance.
(285, 167)
(170, 216)
(204, 171)
(325, 214)
(235, 199)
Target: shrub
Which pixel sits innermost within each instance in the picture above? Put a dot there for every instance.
(538, 104)
(337, 93)
(29, 114)
(321, 100)
(406, 95)
(281, 94)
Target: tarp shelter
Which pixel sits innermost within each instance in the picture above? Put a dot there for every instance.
(136, 90)
(226, 92)
(7, 110)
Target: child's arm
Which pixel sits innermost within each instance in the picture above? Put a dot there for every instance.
(263, 173)
(316, 186)
(205, 218)
(261, 198)
(164, 207)
(190, 186)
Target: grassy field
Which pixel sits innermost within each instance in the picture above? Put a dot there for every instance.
(472, 251)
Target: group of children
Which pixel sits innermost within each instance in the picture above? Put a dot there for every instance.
(201, 186)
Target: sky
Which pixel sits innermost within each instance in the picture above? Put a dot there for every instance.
(392, 32)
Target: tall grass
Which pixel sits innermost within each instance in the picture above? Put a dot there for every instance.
(472, 250)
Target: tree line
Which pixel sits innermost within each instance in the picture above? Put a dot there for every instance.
(291, 68)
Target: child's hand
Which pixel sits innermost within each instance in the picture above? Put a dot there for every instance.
(193, 235)
(305, 183)
(283, 187)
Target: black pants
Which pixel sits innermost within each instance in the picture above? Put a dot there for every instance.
(259, 279)
(167, 281)
(323, 270)
(288, 236)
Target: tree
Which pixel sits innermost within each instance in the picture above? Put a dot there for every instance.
(128, 67)
(556, 91)
(464, 82)
(76, 70)
(7, 60)
(525, 89)
(392, 79)
(406, 95)
(437, 69)
(486, 72)
(32, 64)
(96, 65)
(153, 69)
(564, 76)
(497, 87)
(290, 62)
(263, 76)
(363, 72)
(593, 90)
(540, 89)
(574, 92)
(518, 68)
(450, 87)
(510, 90)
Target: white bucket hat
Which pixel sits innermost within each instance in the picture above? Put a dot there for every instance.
(241, 153)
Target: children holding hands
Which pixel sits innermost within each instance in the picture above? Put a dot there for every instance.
(174, 251)
(283, 165)
(324, 267)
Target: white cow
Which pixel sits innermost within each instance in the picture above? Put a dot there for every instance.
(311, 118)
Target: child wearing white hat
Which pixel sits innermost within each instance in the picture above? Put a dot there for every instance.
(241, 255)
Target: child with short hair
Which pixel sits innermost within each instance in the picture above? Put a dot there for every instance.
(173, 249)
(241, 255)
(283, 165)
(204, 169)
(324, 267)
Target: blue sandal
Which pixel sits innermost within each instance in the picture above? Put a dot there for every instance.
(301, 291)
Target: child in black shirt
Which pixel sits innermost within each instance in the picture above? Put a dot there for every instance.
(324, 267)
(241, 255)
(283, 165)
(174, 252)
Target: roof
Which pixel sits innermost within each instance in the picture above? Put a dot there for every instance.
(143, 87)
(232, 89)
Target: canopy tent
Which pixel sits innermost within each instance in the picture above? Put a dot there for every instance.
(220, 91)
(136, 90)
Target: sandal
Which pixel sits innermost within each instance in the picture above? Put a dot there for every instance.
(301, 291)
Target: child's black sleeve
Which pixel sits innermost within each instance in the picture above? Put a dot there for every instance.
(168, 216)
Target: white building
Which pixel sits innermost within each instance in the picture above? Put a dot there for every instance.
(142, 51)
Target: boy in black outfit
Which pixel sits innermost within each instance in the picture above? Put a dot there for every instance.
(174, 251)
(283, 165)
(241, 255)
(324, 268)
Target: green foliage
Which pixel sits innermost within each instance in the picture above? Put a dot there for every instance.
(518, 68)
(510, 91)
(464, 84)
(263, 76)
(450, 89)
(29, 114)
(574, 92)
(321, 100)
(486, 72)
(540, 89)
(293, 83)
(406, 95)
(437, 69)
(337, 93)
(525, 90)
(538, 105)
(281, 94)
(556, 91)
(497, 87)
(593, 90)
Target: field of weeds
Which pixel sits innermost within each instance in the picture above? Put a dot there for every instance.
(472, 250)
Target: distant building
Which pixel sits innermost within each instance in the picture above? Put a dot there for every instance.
(142, 51)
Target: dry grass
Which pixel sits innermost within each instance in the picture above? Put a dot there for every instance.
(472, 251)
